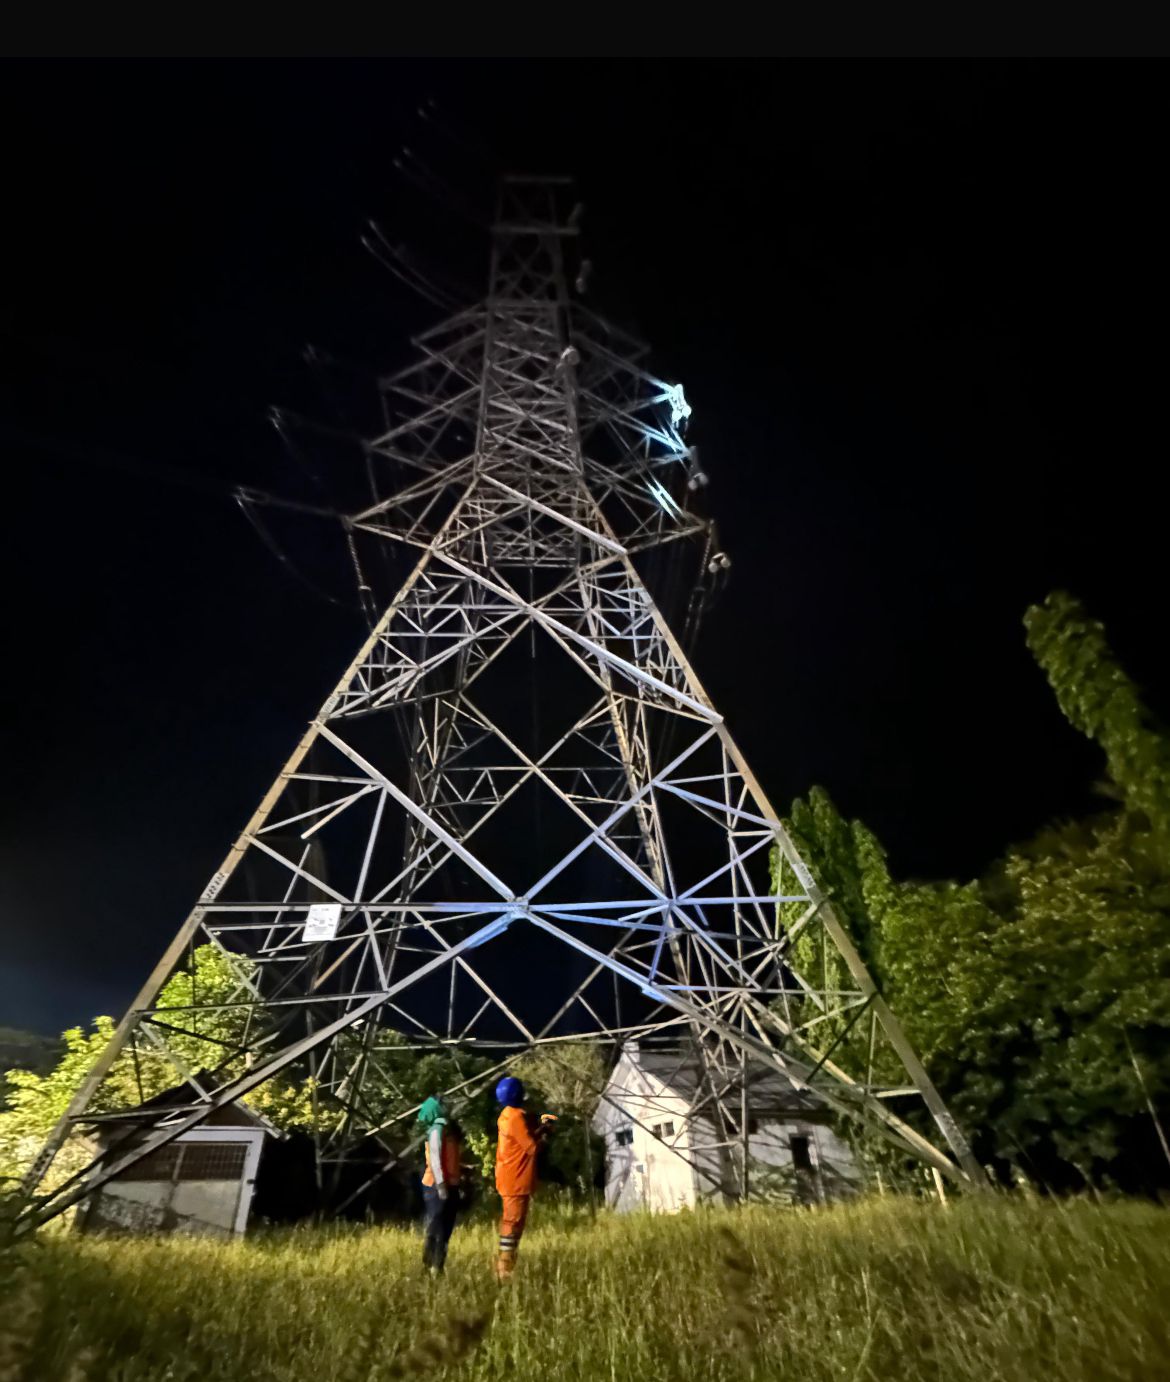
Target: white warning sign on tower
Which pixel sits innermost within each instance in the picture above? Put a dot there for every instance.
(322, 921)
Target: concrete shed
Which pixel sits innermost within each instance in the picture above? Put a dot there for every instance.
(667, 1148)
(201, 1183)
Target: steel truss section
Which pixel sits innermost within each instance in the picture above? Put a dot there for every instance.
(532, 823)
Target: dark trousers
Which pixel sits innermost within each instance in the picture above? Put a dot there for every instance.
(440, 1221)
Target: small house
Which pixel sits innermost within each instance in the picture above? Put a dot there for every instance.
(200, 1183)
(670, 1144)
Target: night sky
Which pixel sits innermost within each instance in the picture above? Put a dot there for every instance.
(921, 312)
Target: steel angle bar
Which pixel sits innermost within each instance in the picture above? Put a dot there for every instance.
(610, 820)
(901, 1133)
(556, 626)
(174, 952)
(51, 1205)
(465, 855)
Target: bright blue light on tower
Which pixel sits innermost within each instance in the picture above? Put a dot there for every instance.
(680, 409)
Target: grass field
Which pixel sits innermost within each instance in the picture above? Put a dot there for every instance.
(887, 1289)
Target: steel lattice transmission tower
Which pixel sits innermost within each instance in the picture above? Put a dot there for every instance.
(484, 881)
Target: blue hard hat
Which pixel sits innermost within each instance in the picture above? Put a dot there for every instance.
(510, 1092)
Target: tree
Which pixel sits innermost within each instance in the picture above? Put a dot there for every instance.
(35, 1102)
(569, 1075)
(917, 940)
(190, 1039)
(568, 1078)
(1039, 995)
(1099, 699)
(1083, 1002)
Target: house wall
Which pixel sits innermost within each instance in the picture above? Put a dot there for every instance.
(204, 1207)
(688, 1167)
(649, 1173)
(772, 1173)
(769, 1158)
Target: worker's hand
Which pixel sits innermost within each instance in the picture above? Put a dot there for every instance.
(442, 1192)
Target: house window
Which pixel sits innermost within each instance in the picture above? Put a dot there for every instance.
(663, 1130)
(159, 1165)
(190, 1161)
(624, 1137)
(753, 1125)
(213, 1161)
(801, 1155)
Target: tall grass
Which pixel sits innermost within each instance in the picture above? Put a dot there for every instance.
(890, 1289)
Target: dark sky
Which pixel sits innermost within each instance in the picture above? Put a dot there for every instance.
(921, 312)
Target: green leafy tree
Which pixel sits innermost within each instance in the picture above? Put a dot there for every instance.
(35, 1102)
(567, 1079)
(914, 937)
(192, 1039)
(568, 1075)
(1081, 1010)
(1039, 995)
(1099, 699)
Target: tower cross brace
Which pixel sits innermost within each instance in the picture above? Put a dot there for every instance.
(517, 820)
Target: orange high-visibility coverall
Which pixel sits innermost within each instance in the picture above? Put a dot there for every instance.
(449, 1159)
(516, 1150)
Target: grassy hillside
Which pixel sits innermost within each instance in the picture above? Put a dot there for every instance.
(888, 1289)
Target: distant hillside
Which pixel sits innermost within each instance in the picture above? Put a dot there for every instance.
(26, 1051)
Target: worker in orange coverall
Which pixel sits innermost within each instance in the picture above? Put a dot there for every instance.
(516, 1150)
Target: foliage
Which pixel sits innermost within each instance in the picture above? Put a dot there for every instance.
(28, 1051)
(36, 1102)
(208, 1039)
(1100, 700)
(400, 1077)
(291, 1105)
(922, 943)
(568, 1075)
(482, 1148)
(1006, 1289)
(567, 1078)
(1082, 1011)
(204, 1028)
(1039, 995)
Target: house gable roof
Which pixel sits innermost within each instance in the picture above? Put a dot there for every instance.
(679, 1074)
(233, 1115)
